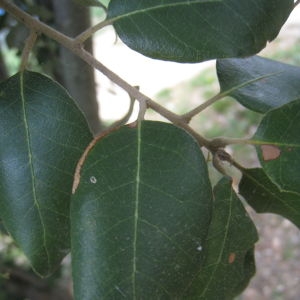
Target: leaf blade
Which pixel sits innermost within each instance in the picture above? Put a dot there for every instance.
(39, 138)
(262, 95)
(278, 145)
(265, 197)
(229, 251)
(194, 31)
(144, 230)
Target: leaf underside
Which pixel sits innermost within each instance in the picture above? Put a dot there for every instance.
(42, 134)
(198, 30)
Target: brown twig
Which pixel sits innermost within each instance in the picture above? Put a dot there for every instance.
(82, 37)
(74, 46)
(126, 117)
(30, 41)
(188, 116)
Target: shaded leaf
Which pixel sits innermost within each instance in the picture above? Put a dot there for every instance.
(278, 145)
(265, 197)
(198, 30)
(281, 87)
(90, 2)
(139, 214)
(229, 252)
(42, 136)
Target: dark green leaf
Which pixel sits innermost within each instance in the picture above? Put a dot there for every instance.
(139, 215)
(229, 252)
(42, 135)
(89, 2)
(265, 197)
(198, 30)
(265, 93)
(278, 145)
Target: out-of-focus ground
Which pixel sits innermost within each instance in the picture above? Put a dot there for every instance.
(178, 87)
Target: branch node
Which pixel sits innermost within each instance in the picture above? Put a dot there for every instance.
(220, 156)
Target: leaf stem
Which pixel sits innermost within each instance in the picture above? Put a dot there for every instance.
(222, 142)
(30, 41)
(126, 117)
(188, 116)
(82, 37)
(142, 111)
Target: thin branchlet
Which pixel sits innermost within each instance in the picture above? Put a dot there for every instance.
(76, 46)
(29, 44)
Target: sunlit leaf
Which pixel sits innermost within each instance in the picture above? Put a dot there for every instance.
(198, 30)
(42, 136)
(139, 214)
(277, 83)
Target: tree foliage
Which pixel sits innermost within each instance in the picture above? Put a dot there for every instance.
(142, 218)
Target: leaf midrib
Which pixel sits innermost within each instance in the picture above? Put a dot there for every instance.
(30, 163)
(136, 210)
(217, 264)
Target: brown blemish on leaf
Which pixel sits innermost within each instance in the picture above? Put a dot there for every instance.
(231, 258)
(270, 152)
(83, 157)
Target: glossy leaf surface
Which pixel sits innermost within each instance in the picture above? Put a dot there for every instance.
(139, 214)
(42, 136)
(278, 145)
(198, 30)
(229, 251)
(277, 83)
(265, 197)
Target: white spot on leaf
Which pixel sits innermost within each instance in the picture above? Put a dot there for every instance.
(93, 179)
